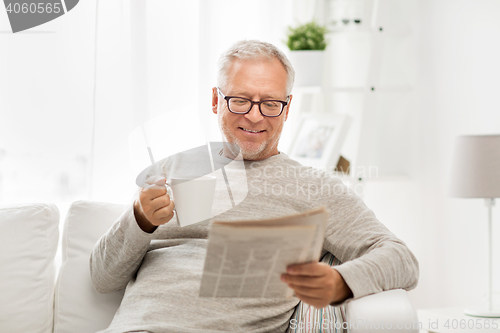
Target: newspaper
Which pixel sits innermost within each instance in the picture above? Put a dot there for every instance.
(247, 258)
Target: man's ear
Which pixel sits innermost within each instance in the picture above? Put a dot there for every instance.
(215, 100)
(288, 107)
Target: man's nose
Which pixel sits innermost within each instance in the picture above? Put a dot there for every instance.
(254, 114)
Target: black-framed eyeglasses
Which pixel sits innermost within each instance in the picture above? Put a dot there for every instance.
(242, 105)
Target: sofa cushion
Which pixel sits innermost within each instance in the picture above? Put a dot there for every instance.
(78, 307)
(28, 244)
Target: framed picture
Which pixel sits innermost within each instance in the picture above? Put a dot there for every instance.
(319, 139)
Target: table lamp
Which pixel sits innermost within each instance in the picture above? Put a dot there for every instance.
(476, 174)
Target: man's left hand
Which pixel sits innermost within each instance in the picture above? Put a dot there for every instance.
(317, 284)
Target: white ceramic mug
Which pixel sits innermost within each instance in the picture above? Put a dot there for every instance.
(193, 198)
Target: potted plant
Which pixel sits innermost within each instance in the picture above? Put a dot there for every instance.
(307, 45)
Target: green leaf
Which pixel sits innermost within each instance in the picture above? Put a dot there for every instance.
(309, 36)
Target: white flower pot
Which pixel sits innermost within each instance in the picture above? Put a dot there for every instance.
(308, 67)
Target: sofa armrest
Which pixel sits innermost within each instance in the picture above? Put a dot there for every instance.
(388, 311)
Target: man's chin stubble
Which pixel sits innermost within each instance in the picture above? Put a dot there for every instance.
(251, 154)
(248, 154)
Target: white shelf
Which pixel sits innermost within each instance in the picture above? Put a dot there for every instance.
(316, 90)
(364, 97)
(395, 89)
(322, 90)
(364, 29)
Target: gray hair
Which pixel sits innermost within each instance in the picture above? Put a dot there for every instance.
(253, 49)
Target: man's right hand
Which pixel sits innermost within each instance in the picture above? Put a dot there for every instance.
(153, 207)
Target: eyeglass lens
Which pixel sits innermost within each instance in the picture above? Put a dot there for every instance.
(268, 108)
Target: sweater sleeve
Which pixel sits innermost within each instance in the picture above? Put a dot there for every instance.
(118, 254)
(373, 259)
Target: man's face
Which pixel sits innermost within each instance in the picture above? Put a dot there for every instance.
(256, 80)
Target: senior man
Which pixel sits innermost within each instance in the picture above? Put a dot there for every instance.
(160, 264)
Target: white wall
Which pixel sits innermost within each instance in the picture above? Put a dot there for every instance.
(457, 90)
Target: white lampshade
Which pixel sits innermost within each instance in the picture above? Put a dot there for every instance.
(476, 167)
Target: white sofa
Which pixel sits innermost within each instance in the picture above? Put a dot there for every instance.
(32, 300)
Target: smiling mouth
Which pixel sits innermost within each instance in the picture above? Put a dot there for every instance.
(249, 130)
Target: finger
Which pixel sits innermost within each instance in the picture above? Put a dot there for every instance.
(309, 269)
(161, 201)
(152, 192)
(305, 281)
(158, 203)
(156, 179)
(311, 292)
(161, 182)
(169, 207)
(316, 302)
(163, 215)
(166, 212)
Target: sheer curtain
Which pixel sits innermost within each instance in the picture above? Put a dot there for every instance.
(46, 75)
(83, 96)
(146, 54)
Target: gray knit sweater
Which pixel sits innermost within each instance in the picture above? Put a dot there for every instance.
(162, 271)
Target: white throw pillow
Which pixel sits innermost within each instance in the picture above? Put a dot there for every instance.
(78, 307)
(28, 243)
